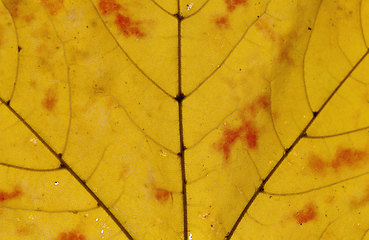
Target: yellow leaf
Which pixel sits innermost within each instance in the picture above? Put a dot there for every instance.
(155, 119)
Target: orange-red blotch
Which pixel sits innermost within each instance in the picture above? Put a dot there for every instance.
(4, 196)
(233, 4)
(247, 132)
(74, 235)
(348, 157)
(265, 27)
(162, 195)
(109, 6)
(307, 214)
(53, 6)
(50, 99)
(222, 22)
(317, 164)
(262, 102)
(344, 157)
(29, 18)
(251, 136)
(129, 27)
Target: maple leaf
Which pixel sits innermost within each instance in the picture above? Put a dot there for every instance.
(153, 119)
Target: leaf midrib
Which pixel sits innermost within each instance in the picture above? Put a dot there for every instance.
(179, 98)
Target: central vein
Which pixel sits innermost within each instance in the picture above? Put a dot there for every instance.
(179, 98)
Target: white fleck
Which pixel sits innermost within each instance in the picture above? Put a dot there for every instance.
(97, 219)
(163, 153)
(189, 6)
(33, 140)
(102, 231)
(56, 183)
(190, 237)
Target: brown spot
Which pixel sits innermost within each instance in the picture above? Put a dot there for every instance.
(222, 22)
(53, 6)
(233, 4)
(162, 195)
(5, 196)
(307, 214)
(73, 235)
(109, 6)
(124, 171)
(128, 26)
(50, 99)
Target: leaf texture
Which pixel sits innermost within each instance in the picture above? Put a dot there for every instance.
(203, 119)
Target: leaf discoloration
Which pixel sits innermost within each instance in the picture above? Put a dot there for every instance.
(73, 235)
(6, 196)
(50, 99)
(307, 214)
(345, 158)
(234, 4)
(53, 6)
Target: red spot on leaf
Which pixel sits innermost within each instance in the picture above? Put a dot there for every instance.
(53, 6)
(284, 43)
(344, 157)
(4, 196)
(229, 138)
(129, 27)
(233, 4)
(49, 100)
(265, 27)
(247, 132)
(307, 214)
(251, 134)
(29, 18)
(73, 235)
(222, 22)
(162, 195)
(262, 102)
(317, 164)
(348, 157)
(24, 230)
(109, 6)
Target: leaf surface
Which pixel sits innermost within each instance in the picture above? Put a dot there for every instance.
(229, 119)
